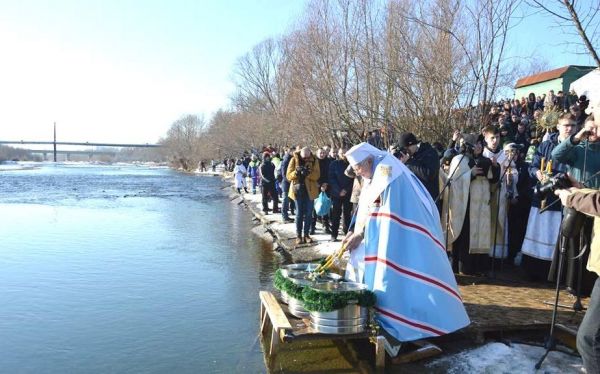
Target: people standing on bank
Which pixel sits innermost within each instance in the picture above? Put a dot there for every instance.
(323, 184)
(303, 173)
(422, 160)
(240, 172)
(340, 188)
(287, 203)
(542, 229)
(267, 177)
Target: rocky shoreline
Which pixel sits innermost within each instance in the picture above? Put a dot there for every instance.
(282, 234)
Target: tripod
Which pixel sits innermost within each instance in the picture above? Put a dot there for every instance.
(570, 226)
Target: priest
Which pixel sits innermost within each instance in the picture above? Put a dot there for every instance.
(397, 248)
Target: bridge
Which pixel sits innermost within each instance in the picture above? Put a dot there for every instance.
(90, 153)
(82, 143)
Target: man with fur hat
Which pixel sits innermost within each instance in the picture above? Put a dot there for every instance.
(396, 248)
(422, 159)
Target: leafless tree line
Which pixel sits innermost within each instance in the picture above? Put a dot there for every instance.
(354, 66)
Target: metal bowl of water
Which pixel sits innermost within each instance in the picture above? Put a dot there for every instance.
(301, 267)
(339, 287)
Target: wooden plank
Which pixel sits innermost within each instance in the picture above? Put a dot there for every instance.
(380, 352)
(276, 314)
(264, 317)
(274, 341)
(424, 350)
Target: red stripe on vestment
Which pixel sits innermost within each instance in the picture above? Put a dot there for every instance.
(410, 273)
(411, 225)
(410, 323)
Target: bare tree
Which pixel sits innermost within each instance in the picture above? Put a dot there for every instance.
(577, 18)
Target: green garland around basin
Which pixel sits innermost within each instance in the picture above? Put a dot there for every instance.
(318, 301)
(285, 285)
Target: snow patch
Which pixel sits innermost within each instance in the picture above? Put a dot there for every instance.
(501, 358)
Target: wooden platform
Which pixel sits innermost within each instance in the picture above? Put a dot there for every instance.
(504, 305)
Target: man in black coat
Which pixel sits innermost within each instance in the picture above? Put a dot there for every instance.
(323, 182)
(340, 188)
(422, 159)
(288, 204)
(267, 172)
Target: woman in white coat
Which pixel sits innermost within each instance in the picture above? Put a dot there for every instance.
(239, 172)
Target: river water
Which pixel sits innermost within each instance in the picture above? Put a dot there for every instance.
(127, 269)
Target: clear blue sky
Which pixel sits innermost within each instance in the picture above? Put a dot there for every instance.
(124, 70)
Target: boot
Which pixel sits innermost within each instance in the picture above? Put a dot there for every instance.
(299, 240)
(239, 190)
(307, 239)
(245, 189)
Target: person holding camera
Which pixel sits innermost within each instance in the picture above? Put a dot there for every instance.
(587, 201)
(581, 152)
(542, 229)
(303, 173)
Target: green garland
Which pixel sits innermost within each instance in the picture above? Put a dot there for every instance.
(283, 284)
(318, 301)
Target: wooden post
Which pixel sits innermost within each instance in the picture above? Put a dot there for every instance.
(275, 314)
(380, 352)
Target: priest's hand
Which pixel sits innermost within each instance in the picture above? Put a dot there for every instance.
(476, 171)
(352, 240)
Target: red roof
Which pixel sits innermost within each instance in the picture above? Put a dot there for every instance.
(542, 77)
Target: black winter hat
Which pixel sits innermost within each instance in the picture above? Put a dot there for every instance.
(406, 139)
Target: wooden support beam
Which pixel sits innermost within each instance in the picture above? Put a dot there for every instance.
(380, 352)
(279, 321)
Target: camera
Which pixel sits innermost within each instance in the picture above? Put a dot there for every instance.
(302, 171)
(558, 182)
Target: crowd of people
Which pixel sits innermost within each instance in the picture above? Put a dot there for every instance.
(482, 183)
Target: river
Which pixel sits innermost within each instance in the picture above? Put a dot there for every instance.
(127, 269)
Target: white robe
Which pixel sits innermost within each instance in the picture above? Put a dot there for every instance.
(239, 171)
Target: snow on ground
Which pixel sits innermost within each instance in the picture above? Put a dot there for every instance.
(500, 358)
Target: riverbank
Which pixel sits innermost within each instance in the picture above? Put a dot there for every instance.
(282, 234)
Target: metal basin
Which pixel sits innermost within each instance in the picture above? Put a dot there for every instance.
(346, 313)
(338, 329)
(301, 267)
(339, 286)
(305, 278)
(296, 308)
(337, 322)
(285, 298)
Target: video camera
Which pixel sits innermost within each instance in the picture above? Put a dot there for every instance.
(558, 182)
